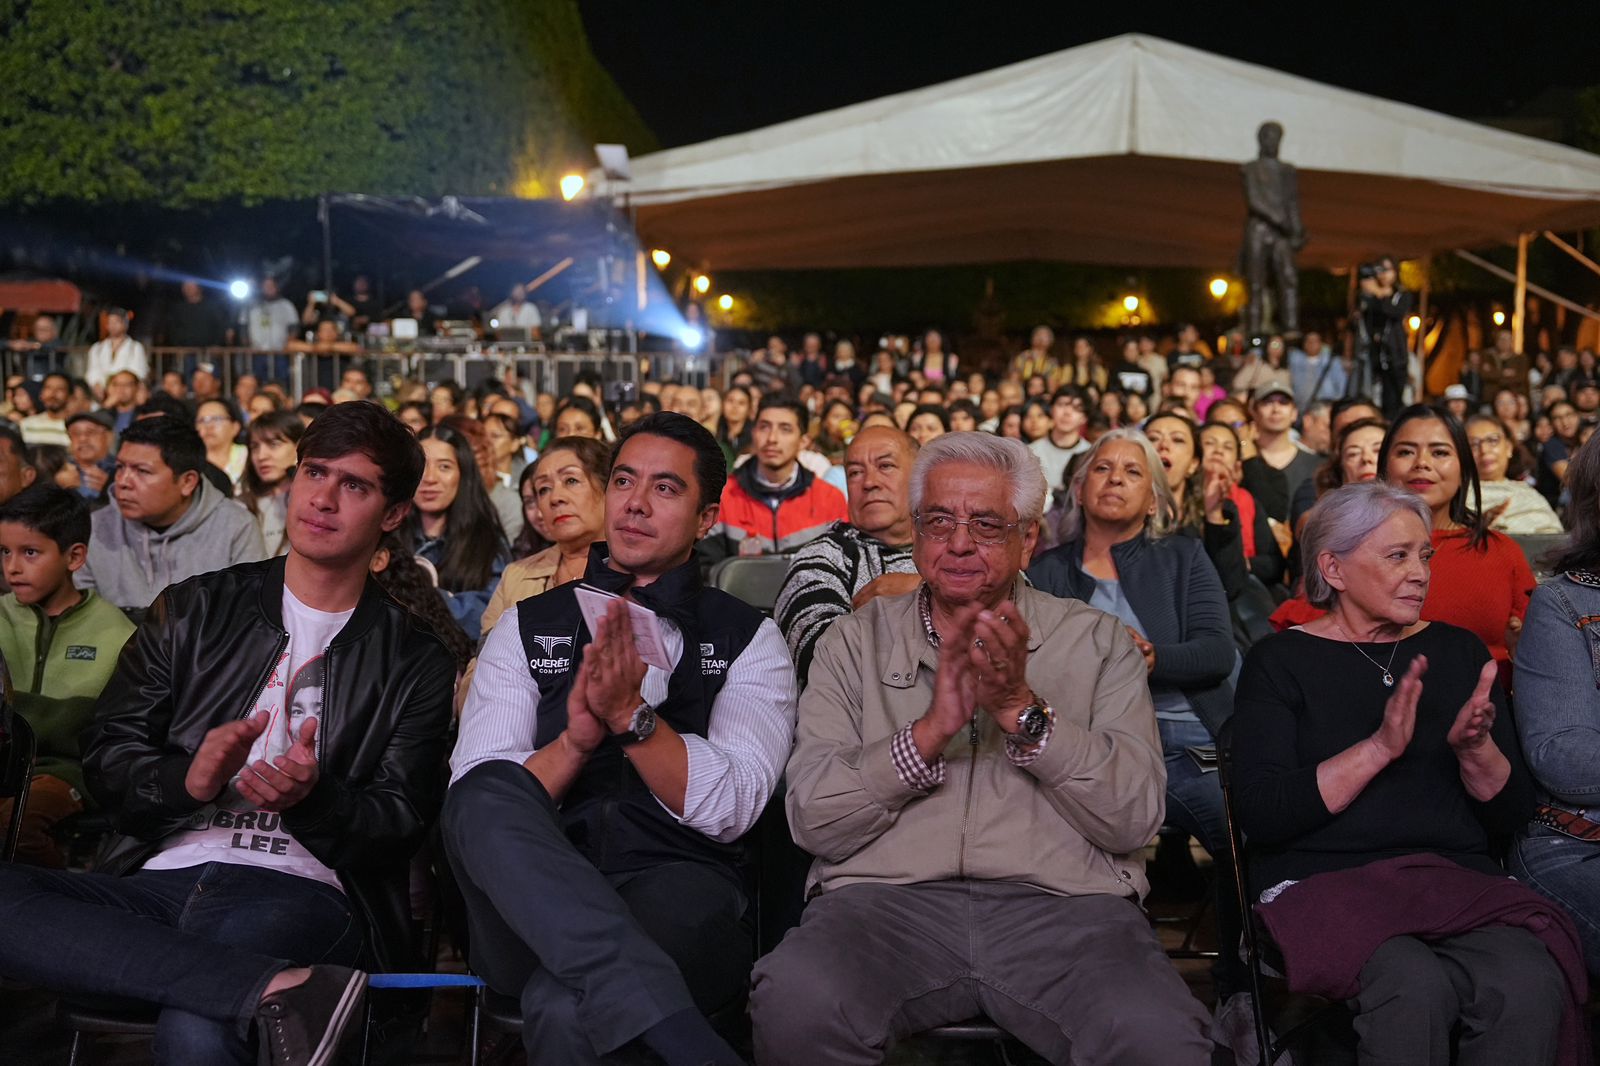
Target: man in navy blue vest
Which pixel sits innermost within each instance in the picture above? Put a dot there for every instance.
(597, 803)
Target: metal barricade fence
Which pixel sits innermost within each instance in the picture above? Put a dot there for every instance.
(300, 372)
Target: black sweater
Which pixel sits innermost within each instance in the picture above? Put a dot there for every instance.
(1303, 699)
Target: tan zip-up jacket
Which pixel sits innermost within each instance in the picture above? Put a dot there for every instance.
(1072, 822)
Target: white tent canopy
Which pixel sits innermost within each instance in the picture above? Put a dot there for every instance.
(1124, 151)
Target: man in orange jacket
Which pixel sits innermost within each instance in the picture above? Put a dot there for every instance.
(772, 503)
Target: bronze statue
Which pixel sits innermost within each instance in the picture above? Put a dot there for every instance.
(1272, 233)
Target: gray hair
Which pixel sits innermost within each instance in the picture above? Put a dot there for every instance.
(1010, 458)
(1342, 520)
(1165, 519)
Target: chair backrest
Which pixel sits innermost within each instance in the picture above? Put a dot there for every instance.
(1535, 546)
(16, 773)
(755, 579)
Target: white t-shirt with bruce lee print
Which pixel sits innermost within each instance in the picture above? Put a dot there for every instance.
(230, 829)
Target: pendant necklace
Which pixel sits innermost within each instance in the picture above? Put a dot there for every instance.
(1388, 678)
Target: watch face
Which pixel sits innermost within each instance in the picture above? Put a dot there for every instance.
(644, 722)
(1031, 722)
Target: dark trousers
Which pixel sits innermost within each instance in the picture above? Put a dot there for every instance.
(201, 943)
(595, 959)
(1497, 987)
(1389, 372)
(1080, 979)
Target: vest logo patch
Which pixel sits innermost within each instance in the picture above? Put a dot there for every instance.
(84, 652)
(551, 659)
(709, 663)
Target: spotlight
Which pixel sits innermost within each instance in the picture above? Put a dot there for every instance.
(661, 258)
(1130, 304)
(702, 284)
(571, 186)
(1499, 318)
(692, 337)
(239, 289)
(1415, 322)
(725, 302)
(1219, 288)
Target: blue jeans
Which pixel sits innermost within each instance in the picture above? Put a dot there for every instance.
(1194, 804)
(1567, 871)
(200, 943)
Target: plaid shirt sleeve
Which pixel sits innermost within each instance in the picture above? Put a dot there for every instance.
(909, 764)
(1021, 753)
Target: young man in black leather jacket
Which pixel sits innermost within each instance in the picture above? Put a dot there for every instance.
(269, 751)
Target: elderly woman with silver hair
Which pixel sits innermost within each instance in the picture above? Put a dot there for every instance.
(1558, 716)
(1375, 768)
(1118, 554)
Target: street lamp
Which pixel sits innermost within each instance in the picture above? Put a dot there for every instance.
(702, 284)
(661, 258)
(571, 186)
(1219, 288)
(725, 302)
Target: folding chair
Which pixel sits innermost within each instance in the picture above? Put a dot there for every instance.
(17, 749)
(755, 579)
(1256, 944)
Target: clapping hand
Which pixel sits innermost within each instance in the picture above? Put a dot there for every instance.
(998, 658)
(1218, 485)
(285, 781)
(955, 692)
(614, 675)
(222, 754)
(584, 731)
(1470, 732)
(1400, 713)
(1147, 649)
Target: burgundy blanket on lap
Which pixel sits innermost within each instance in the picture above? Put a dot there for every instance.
(1329, 925)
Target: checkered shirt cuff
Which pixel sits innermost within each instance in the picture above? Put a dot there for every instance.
(1021, 753)
(909, 765)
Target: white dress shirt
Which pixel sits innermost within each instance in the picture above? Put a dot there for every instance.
(733, 769)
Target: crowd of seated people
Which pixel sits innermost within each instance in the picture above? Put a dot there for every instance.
(1020, 611)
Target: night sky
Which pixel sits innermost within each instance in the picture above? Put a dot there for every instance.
(702, 68)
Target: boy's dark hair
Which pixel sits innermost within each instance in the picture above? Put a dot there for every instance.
(58, 374)
(366, 427)
(710, 465)
(780, 402)
(180, 445)
(58, 513)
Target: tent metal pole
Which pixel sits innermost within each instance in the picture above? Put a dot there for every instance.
(1502, 272)
(1422, 302)
(1519, 312)
(1570, 250)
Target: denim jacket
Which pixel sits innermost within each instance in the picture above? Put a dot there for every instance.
(1558, 691)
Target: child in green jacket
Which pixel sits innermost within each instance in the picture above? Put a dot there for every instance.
(61, 645)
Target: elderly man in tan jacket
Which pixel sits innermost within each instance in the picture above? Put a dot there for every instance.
(976, 769)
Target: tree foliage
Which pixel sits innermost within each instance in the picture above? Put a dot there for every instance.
(188, 102)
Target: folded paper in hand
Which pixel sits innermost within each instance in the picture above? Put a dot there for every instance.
(594, 603)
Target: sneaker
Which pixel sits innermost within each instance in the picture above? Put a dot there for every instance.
(302, 1026)
(1234, 1026)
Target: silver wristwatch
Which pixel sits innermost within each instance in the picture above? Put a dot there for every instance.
(640, 726)
(1034, 722)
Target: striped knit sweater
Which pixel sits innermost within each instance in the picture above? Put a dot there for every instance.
(823, 578)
